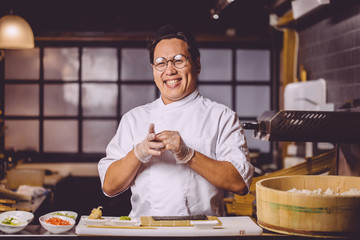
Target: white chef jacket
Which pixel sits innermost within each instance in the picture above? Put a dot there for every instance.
(164, 188)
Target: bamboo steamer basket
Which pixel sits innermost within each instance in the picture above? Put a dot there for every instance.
(308, 214)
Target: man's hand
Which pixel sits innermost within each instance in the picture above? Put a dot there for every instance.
(148, 147)
(173, 142)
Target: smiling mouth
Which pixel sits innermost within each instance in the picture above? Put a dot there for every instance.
(172, 83)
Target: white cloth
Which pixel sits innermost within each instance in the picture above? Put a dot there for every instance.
(164, 188)
(32, 191)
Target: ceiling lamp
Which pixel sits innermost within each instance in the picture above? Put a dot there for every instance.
(219, 6)
(15, 33)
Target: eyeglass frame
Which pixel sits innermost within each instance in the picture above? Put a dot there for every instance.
(172, 60)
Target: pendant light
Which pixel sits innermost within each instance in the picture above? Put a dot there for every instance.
(15, 33)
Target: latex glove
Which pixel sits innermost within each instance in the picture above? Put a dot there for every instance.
(148, 147)
(173, 142)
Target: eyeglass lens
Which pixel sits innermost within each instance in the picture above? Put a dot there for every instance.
(179, 61)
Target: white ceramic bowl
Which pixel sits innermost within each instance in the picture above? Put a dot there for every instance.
(20, 218)
(204, 224)
(56, 228)
(125, 223)
(69, 214)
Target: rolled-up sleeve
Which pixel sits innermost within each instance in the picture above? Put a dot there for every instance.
(232, 147)
(120, 145)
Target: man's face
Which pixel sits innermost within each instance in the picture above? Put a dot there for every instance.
(173, 83)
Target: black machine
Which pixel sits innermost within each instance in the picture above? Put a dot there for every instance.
(308, 126)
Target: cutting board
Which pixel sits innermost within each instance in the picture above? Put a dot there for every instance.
(8, 194)
(231, 226)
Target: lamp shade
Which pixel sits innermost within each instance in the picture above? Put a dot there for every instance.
(15, 33)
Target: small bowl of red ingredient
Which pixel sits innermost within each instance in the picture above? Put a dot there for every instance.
(56, 224)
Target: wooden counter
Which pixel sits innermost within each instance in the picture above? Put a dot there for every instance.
(34, 231)
(37, 232)
(33, 205)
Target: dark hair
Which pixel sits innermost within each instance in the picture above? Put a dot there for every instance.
(173, 31)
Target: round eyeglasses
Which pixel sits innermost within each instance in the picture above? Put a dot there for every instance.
(179, 61)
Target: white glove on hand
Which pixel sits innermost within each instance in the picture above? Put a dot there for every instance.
(173, 142)
(148, 147)
(185, 154)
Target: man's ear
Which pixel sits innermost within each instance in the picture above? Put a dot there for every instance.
(198, 65)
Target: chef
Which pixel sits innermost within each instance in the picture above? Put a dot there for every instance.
(179, 153)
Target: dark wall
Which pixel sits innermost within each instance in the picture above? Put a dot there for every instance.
(330, 48)
(82, 194)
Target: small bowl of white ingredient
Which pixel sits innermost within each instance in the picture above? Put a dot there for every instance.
(14, 221)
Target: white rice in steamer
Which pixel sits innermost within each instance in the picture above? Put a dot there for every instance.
(329, 191)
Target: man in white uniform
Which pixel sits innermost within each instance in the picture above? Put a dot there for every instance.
(179, 153)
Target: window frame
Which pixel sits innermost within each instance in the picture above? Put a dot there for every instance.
(80, 156)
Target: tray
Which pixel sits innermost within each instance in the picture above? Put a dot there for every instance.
(231, 226)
